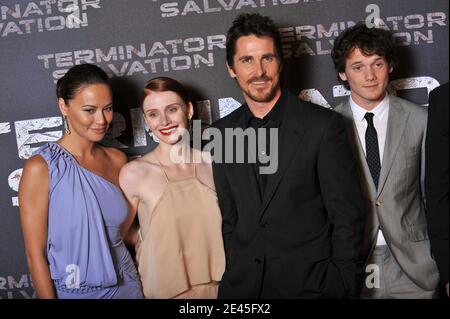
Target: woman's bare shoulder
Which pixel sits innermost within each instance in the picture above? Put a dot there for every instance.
(141, 168)
(36, 165)
(118, 157)
(35, 176)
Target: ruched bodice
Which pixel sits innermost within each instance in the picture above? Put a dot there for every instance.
(84, 248)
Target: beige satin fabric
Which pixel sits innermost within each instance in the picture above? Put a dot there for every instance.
(182, 247)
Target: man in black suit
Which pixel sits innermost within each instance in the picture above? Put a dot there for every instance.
(295, 232)
(436, 178)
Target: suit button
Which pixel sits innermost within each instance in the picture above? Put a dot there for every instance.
(263, 225)
(378, 203)
(257, 261)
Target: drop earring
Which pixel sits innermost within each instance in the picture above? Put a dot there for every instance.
(190, 126)
(66, 125)
(154, 138)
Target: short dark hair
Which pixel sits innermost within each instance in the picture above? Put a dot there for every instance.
(164, 84)
(77, 77)
(369, 40)
(252, 24)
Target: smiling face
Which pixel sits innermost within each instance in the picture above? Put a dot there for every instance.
(367, 77)
(89, 112)
(257, 69)
(166, 115)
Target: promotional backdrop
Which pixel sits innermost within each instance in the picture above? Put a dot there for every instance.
(136, 40)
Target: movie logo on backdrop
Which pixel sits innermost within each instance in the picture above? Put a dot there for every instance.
(13, 288)
(413, 25)
(171, 9)
(41, 16)
(145, 58)
(314, 40)
(318, 39)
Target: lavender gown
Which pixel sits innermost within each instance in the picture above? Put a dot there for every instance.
(86, 254)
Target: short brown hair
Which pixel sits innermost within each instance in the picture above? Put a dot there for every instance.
(255, 24)
(369, 40)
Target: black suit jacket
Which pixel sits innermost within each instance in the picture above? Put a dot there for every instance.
(436, 177)
(302, 239)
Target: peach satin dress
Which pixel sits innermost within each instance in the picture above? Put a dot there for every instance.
(181, 253)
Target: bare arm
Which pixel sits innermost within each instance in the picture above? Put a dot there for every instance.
(33, 207)
(143, 183)
(129, 229)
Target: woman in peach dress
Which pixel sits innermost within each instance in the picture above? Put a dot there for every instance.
(179, 247)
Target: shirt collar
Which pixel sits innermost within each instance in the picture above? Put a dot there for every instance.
(359, 112)
(275, 115)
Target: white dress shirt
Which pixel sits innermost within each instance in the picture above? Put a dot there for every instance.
(380, 120)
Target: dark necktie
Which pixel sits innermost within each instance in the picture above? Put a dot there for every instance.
(372, 151)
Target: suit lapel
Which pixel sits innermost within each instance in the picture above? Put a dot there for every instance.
(367, 184)
(398, 117)
(291, 134)
(357, 147)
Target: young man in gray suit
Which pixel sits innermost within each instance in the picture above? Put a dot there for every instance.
(387, 134)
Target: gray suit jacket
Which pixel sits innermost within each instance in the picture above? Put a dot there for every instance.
(397, 206)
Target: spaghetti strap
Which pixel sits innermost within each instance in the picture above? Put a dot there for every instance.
(195, 170)
(167, 177)
(164, 171)
(181, 219)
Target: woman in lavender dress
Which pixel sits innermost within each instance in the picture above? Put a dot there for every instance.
(72, 212)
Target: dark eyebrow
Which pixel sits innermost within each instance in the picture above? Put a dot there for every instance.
(94, 106)
(245, 57)
(376, 60)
